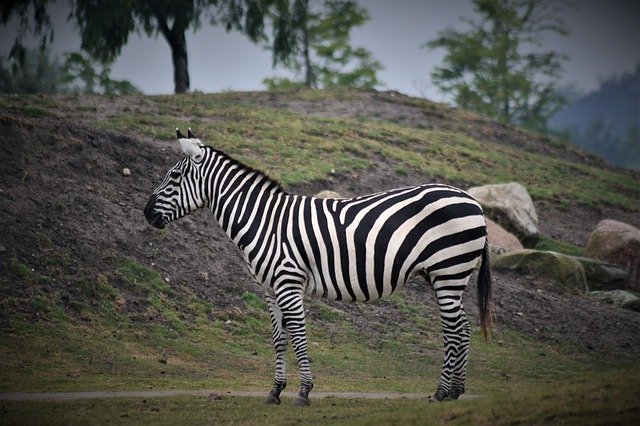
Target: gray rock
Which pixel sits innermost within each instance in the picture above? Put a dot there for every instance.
(618, 243)
(511, 207)
(602, 276)
(566, 273)
(620, 298)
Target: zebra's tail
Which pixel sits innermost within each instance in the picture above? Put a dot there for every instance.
(485, 303)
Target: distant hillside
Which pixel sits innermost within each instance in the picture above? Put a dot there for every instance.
(606, 121)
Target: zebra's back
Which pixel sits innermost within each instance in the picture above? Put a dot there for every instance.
(365, 248)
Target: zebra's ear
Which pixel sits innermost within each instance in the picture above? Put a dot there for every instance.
(192, 147)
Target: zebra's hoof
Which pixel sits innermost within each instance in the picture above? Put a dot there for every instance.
(301, 402)
(272, 400)
(435, 399)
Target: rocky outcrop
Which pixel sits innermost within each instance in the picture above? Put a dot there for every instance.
(511, 207)
(617, 243)
(619, 298)
(500, 237)
(602, 276)
(566, 272)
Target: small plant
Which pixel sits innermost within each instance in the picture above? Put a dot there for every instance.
(402, 171)
(253, 301)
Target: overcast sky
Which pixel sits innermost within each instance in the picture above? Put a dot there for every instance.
(604, 40)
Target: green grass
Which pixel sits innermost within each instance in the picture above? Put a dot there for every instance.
(610, 398)
(551, 244)
(297, 148)
(173, 340)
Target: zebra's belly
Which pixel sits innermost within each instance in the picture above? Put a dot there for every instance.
(321, 286)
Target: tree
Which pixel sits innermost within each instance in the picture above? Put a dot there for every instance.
(36, 72)
(105, 25)
(496, 68)
(314, 42)
(27, 12)
(39, 72)
(95, 81)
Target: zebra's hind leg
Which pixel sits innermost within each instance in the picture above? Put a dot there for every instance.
(460, 368)
(280, 342)
(455, 332)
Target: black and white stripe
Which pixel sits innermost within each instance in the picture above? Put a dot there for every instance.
(362, 248)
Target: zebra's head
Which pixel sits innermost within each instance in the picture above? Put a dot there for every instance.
(181, 191)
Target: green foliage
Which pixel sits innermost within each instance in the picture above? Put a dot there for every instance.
(38, 72)
(494, 68)
(35, 72)
(32, 16)
(79, 67)
(282, 84)
(313, 40)
(105, 26)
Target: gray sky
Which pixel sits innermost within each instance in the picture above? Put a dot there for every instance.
(604, 40)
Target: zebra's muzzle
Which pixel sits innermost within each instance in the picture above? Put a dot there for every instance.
(153, 217)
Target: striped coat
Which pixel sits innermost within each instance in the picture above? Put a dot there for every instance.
(362, 248)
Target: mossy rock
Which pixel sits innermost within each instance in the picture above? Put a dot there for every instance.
(633, 305)
(620, 298)
(602, 276)
(564, 271)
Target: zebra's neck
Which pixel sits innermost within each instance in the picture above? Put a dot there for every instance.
(241, 199)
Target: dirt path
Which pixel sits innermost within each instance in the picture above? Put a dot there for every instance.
(73, 396)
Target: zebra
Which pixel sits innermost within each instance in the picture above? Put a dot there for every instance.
(357, 249)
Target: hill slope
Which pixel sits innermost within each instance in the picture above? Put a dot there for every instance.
(78, 259)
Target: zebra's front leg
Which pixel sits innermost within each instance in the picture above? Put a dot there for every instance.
(280, 342)
(455, 331)
(292, 306)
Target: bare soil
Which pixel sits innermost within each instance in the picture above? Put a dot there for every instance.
(68, 213)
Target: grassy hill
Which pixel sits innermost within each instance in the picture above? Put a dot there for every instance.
(92, 298)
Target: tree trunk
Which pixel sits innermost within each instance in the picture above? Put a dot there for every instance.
(180, 68)
(309, 78)
(178, 43)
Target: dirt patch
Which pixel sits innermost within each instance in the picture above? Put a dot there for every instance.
(69, 215)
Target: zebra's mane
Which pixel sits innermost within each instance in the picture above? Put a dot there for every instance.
(250, 169)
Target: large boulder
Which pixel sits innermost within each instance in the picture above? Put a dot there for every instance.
(500, 237)
(602, 276)
(511, 207)
(619, 298)
(617, 243)
(565, 273)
